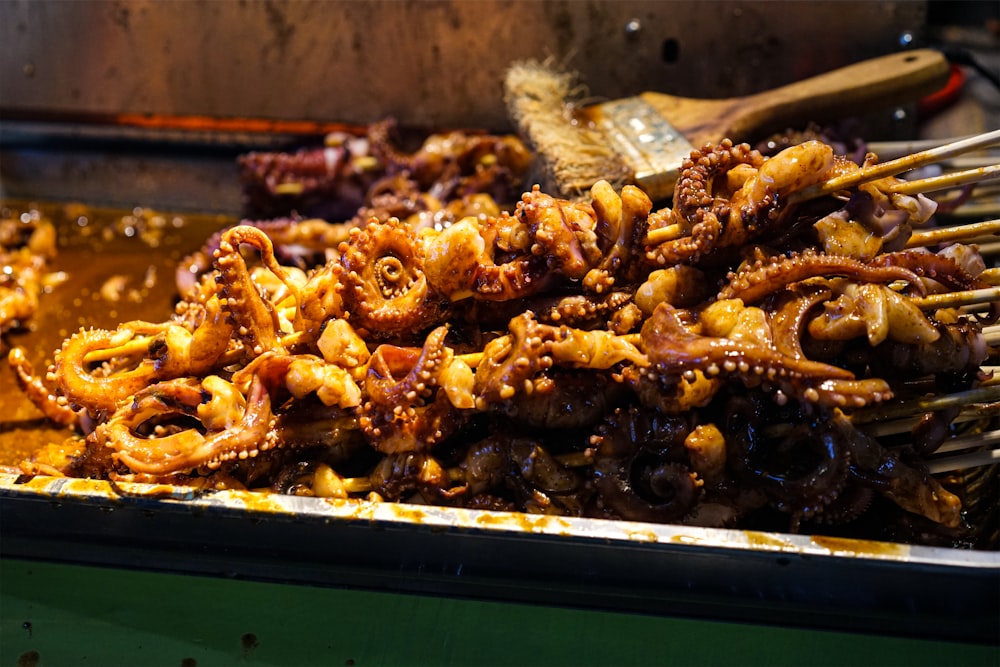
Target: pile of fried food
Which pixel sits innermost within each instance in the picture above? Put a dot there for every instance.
(428, 327)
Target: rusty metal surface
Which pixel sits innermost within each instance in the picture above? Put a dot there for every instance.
(429, 63)
(99, 175)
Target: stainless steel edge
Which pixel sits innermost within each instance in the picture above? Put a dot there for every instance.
(734, 575)
(249, 503)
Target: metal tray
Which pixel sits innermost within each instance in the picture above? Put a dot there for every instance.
(736, 575)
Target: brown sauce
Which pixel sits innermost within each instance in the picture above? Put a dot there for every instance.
(112, 266)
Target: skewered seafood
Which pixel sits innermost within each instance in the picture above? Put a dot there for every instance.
(602, 358)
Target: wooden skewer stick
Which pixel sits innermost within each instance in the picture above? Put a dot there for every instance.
(960, 443)
(945, 181)
(991, 276)
(138, 345)
(962, 461)
(289, 188)
(922, 405)
(357, 484)
(957, 233)
(897, 166)
(989, 249)
(957, 299)
(879, 429)
(663, 234)
(876, 171)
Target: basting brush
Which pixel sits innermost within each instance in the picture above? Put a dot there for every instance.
(644, 139)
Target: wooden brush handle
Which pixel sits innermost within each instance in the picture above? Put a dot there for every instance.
(848, 91)
(865, 86)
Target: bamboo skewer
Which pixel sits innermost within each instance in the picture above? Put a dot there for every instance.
(945, 181)
(957, 299)
(966, 233)
(881, 170)
(990, 439)
(890, 150)
(990, 249)
(897, 166)
(663, 234)
(992, 333)
(880, 429)
(962, 461)
(919, 406)
(138, 345)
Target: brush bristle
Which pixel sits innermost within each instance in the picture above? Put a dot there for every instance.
(571, 156)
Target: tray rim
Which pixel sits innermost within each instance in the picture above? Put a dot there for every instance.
(256, 504)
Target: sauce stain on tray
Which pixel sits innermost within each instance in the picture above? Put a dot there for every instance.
(111, 266)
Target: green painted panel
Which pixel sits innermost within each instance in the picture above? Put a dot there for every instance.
(79, 615)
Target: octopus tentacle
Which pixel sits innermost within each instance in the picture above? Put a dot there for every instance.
(384, 287)
(930, 265)
(189, 448)
(255, 318)
(545, 239)
(86, 384)
(673, 351)
(640, 468)
(98, 369)
(671, 394)
(523, 468)
(516, 363)
(510, 363)
(297, 242)
(910, 487)
(519, 278)
(960, 349)
(540, 483)
(872, 310)
(400, 474)
(35, 389)
(592, 349)
(942, 269)
(788, 321)
(196, 352)
(564, 399)
(491, 260)
(801, 472)
(852, 502)
(561, 230)
(614, 311)
(766, 277)
(581, 310)
(696, 207)
(412, 413)
(619, 224)
(322, 301)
